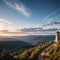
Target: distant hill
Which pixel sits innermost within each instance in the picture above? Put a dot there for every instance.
(35, 38)
(10, 43)
(13, 42)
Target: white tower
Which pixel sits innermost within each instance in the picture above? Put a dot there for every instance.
(57, 36)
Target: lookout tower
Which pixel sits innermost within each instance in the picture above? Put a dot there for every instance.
(57, 36)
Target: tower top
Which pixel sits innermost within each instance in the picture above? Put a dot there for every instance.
(57, 36)
(57, 31)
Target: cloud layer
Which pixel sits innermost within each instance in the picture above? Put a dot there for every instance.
(30, 31)
(20, 7)
(7, 28)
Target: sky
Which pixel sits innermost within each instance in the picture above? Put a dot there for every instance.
(29, 17)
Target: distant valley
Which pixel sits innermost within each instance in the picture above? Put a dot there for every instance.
(35, 38)
(13, 42)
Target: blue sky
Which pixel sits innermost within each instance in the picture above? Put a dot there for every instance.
(27, 15)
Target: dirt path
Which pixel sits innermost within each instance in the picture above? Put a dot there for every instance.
(40, 57)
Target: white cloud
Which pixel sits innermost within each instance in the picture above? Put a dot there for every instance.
(5, 24)
(28, 31)
(10, 29)
(23, 9)
(52, 16)
(17, 5)
(5, 21)
(48, 17)
(54, 23)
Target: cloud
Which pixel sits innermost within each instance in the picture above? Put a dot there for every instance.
(5, 24)
(58, 16)
(8, 27)
(31, 31)
(57, 22)
(5, 21)
(20, 7)
(53, 15)
(4, 31)
(52, 23)
(52, 20)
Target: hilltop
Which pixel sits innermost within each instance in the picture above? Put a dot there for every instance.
(52, 53)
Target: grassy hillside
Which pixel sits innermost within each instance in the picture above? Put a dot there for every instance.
(30, 53)
(53, 53)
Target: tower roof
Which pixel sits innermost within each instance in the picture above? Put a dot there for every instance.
(57, 31)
